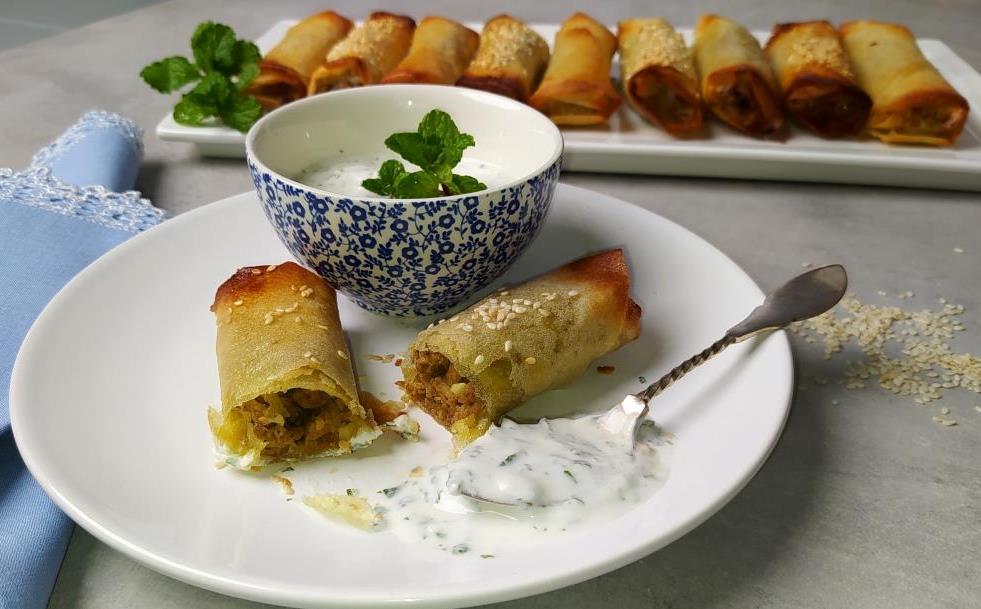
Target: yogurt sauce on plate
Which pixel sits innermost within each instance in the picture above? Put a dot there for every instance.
(344, 176)
(536, 479)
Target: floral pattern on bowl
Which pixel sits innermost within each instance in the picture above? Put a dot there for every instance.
(407, 258)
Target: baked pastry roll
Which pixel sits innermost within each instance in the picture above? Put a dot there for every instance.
(911, 102)
(469, 370)
(658, 75)
(576, 88)
(366, 55)
(510, 59)
(441, 50)
(736, 80)
(816, 79)
(287, 387)
(287, 68)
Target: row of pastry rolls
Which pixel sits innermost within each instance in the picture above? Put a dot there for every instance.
(865, 76)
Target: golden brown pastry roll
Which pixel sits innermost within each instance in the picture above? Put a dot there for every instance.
(658, 75)
(366, 55)
(469, 370)
(287, 68)
(816, 79)
(736, 80)
(576, 88)
(510, 59)
(911, 101)
(287, 387)
(441, 50)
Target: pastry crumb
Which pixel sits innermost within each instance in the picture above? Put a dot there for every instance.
(349, 509)
(285, 483)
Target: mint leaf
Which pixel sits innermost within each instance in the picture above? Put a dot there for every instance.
(189, 112)
(247, 75)
(463, 184)
(413, 148)
(416, 185)
(170, 74)
(246, 53)
(384, 184)
(241, 112)
(211, 92)
(213, 45)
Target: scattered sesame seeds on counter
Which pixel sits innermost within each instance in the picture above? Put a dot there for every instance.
(907, 352)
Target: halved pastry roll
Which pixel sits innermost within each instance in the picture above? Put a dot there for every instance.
(287, 68)
(366, 55)
(510, 59)
(911, 101)
(658, 75)
(816, 79)
(737, 82)
(287, 387)
(576, 88)
(468, 371)
(441, 50)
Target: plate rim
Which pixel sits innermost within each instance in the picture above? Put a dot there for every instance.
(241, 588)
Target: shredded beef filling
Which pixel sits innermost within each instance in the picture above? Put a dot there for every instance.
(440, 390)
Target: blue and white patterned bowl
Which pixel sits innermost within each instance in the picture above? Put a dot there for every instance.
(405, 257)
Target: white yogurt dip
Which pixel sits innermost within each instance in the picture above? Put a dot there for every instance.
(539, 480)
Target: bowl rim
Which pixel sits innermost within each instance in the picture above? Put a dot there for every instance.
(252, 158)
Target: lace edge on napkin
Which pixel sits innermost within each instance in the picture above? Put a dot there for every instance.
(37, 187)
(90, 121)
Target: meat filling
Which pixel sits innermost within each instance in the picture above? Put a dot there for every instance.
(290, 425)
(440, 390)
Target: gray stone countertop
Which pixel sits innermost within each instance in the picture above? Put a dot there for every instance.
(866, 502)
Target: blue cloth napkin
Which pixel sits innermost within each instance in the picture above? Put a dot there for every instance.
(69, 207)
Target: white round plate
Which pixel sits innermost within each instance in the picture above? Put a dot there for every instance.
(111, 386)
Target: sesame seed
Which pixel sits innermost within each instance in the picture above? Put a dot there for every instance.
(467, 328)
(314, 360)
(504, 292)
(478, 360)
(268, 319)
(520, 310)
(256, 272)
(804, 265)
(527, 303)
(530, 361)
(322, 327)
(958, 250)
(238, 302)
(298, 319)
(289, 309)
(306, 292)
(341, 354)
(440, 322)
(949, 422)
(550, 297)
(270, 268)
(491, 326)
(307, 354)
(544, 312)
(978, 408)
(945, 411)
(430, 326)
(573, 293)
(535, 304)
(507, 349)
(834, 402)
(510, 316)
(293, 286)
(881, 293)
(454, 318)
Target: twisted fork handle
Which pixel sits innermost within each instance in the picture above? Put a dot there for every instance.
(685, 367)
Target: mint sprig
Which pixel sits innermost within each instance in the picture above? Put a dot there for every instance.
(223, 66)
(436, 147)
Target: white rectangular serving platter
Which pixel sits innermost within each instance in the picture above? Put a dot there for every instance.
(629, 144)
